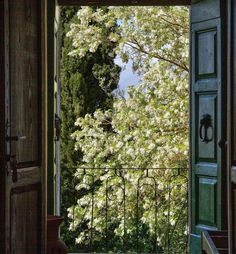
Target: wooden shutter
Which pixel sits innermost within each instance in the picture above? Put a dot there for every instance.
(208, 119)
(24, 218)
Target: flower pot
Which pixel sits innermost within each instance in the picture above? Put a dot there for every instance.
(54, 244)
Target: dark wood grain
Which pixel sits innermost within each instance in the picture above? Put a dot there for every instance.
(24, 78)
(25, 215)
(124, 2)
(2, 129)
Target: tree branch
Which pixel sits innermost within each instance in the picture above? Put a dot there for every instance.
(155, 55)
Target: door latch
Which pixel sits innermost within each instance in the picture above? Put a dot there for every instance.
(13, 166)
(15, 138)
(233, 174)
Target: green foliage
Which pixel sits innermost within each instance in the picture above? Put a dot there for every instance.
(149, 129)
(81, 93)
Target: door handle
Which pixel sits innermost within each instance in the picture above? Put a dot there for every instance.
(205, 125)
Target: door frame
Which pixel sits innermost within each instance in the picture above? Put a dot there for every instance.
(45, 57)
(226, 184)
(2, 126)
(131, 3)
(230, 76)
(231, 79)
(44, 132)
(125, 2)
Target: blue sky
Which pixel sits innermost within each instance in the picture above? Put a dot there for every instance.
(127, 76)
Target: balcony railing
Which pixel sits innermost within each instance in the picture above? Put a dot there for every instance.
(130, 210)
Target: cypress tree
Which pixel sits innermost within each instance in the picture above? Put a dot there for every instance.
(80, 94)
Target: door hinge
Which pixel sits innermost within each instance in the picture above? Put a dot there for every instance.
(57, 127)
(223, 143)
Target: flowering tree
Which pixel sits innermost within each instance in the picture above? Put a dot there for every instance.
(149, 129)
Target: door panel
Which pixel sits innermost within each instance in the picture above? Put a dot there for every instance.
(207, 190)
(24, 132)
(25, 210)
(24, 35)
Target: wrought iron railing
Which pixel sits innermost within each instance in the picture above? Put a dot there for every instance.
(130, 210)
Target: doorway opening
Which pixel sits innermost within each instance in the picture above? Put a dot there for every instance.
(121, 157)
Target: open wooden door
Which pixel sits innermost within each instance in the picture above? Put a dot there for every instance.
(208, 119)
(23, 171)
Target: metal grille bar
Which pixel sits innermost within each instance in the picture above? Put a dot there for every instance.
(130, 210)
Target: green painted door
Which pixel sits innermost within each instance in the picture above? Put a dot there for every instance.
(208, 123)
